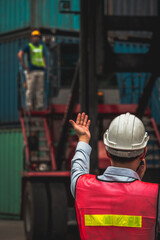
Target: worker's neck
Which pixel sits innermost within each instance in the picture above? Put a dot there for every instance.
(131, 165)
(36, 43)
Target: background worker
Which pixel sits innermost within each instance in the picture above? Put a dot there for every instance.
(116, 205)
(35, 71)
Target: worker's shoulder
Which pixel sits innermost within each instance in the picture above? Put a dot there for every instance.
(148, 183)
(146, 187)
(26, 47)
(86, 177)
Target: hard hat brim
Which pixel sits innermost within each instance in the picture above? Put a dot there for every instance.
(125, 154)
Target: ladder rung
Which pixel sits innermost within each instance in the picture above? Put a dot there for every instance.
(153, 147)
(153, 157)
(149, 129)
(153, 138)
(40, 159)
(34, 119)
(44, 148)
(43, 138)
(37, 128)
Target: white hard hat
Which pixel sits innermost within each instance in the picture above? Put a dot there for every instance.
(126, 136)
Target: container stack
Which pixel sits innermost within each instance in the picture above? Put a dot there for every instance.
(17, 19)
(59, 20)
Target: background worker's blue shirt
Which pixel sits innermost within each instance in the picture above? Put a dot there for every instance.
(80, 165)
(26, 50)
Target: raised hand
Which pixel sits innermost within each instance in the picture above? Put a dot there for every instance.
(81, 127)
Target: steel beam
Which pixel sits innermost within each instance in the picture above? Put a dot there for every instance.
(137, 23)
(67, 115)
(128, 63)
(84, 56)
(88, 78)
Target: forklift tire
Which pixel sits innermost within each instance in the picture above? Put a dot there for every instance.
(36, 211)
(59, 211)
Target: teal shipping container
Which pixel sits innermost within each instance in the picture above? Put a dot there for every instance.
(9, 68)
(11, 161)
(20, 14)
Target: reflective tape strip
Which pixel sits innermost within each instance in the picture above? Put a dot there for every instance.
(113, 220)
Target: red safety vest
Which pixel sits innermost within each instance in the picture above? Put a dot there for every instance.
(116, 210)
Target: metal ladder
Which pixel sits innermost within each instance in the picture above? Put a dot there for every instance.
(39, 149)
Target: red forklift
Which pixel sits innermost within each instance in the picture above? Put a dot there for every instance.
(49, 141)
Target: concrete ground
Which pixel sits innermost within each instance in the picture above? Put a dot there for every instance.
(13, 230)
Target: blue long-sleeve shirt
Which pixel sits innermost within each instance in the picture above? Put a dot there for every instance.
(80, 165)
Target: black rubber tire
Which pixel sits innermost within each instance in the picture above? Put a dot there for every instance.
(59, 211)
(36, 211)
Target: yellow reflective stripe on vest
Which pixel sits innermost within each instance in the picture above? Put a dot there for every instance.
(113, 220)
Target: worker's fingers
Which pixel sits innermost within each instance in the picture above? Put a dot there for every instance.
(82, 118)
(85, 120)
(88, 124)
(78, 118)
(72, 123)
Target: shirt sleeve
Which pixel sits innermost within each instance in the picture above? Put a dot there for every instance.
(25, 49)
(80, 163)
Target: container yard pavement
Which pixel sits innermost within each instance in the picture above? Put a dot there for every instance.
(13, 230)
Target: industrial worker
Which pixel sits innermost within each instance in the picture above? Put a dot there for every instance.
(116, 205)
(35, 70)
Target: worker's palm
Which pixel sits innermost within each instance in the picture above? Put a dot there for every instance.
(81, 126)
(80, 129)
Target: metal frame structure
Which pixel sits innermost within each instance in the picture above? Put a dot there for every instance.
(97, 58)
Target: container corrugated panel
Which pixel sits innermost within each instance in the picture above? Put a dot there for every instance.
(11, 154)
(47, 15)
(132, 7)
(19, 14)
(9, 68)
(14, 15)
(131, 85)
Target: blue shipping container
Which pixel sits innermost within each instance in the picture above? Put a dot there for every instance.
(9, 67)
(131, 85)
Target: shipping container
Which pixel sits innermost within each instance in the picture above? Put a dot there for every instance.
(11, 154)
(20, 14)
(131, 85)
(9, 68)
